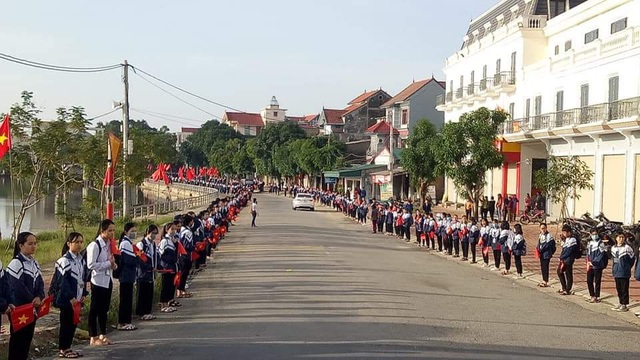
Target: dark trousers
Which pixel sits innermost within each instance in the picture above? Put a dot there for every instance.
(168, 291)
(98, 310)
(440, 247)
(544, 269)
(566, 276)
(449, 244)
(20, 341)
(185, 272)
(456, 246)
(67, 328)
(253, 218)
(518, 260)
(465, 249)
(491, 213)
(126, 303)
(374, 226)
(507, 260)
(468, 213)
(594, 280)
(496, 258)
(380, 226)
(144, 303)
(389, 228)
(485, 255)
(473, 252)
(407, 232)
(433, 241)
(622, 286)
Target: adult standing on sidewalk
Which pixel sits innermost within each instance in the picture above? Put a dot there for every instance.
(375, 214)
(254, 212)
(545, 249)
(596, 263)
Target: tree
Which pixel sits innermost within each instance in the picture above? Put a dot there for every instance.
(196, 148)
(221, 155)
(272, 137)
(465, 150)
(418, 158)
(564, 179)
(242, 161)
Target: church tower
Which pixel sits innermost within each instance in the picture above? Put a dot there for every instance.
(273, 113)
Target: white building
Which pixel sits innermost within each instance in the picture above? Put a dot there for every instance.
(568, 71)
(273, 113)
(251, 124)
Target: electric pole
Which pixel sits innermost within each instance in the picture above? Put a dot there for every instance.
(391, 159)
(125, 140)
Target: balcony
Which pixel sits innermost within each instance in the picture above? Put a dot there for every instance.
(485, 85)
(444, 102)
(470, 94)
(440, 100)
(459, 92)
(621, 114)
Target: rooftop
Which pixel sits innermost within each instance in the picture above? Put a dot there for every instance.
(410, 90)
(244, 119)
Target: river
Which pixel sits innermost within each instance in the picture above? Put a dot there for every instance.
(42, 216)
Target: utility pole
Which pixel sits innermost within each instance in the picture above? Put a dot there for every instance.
(391, 159)
(125, 140)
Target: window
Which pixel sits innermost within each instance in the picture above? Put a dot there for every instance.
(472, 78)
(538, 105)
(614, 83)
(619, 25)
(527, 108)
(559, 101)
(275, 113)
(484, 72)
(389, 116)
(556, 50)
(498, 66)
(591, 36)
(513, 62)
(584, 95)
(512, 110)
(247, 130)
(567, 45)
(405, 116)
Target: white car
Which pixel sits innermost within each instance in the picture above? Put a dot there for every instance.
(303, 200)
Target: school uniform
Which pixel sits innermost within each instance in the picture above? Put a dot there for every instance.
(168, 260)
(463, 234)
(98, 253)
(494, 235)
(519, 249)
(5, 291)
(70, 275)
(486, 242)
(442, 235)
(506, 242)
(389, 221)
(567, 258)
(25, 281)
(546, 248)
(186, 238)
(455, 238)
(407, 221)
(145, 276)
(597, 261)
(128, 272)
(623, 260)
(419, 221)
(432, 226)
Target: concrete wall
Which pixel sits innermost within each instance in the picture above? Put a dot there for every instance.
(422, 105)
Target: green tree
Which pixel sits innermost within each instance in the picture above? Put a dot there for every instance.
(242, 161)
(465, 150)
(196, 148)
(564, 179)
(418, 158)
(272, 137)
(221, 155)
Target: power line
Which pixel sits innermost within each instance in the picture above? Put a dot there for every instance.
(166, 118)
(168, 115)
(103, 115)
(58, 67)
(185, 91)
(176, 97)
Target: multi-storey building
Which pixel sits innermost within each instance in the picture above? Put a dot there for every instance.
(568, 72)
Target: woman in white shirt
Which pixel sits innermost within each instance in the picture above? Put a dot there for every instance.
(254, 212)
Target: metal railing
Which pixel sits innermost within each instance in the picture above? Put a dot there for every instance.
(449, 96)
(591, 114)
(440, 99)
(167, 207)
(472, 89)
(485, 84)
(459, 92)
(504, 78)
(534, 21)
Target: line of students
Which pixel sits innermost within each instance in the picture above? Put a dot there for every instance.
(77, 273)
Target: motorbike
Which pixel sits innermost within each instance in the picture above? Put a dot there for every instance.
(538, 216)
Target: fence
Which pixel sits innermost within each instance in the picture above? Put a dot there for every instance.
(167, 207)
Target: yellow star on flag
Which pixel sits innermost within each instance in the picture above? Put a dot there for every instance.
(23, 319)
(3, 138)
(44, 309)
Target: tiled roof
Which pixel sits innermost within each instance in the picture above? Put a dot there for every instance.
(381, 127)
(297, 119)
(353, 107)
(363, 97)
(409, 91)
(309, 118)
(189, 130)
(244, 119)
(502, 8)
(333, 116)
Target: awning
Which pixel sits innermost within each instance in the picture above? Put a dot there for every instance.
(355, 171)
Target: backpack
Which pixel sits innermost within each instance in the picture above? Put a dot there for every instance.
(84, 257)
(54, 287)
(578, 250)
(524, 248)
(118, 259)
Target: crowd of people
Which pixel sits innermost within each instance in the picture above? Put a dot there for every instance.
(494, 236)
(171, 254)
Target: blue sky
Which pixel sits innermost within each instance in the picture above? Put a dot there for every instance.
(309, 54)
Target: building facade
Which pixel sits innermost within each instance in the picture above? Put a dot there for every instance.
(569, 76)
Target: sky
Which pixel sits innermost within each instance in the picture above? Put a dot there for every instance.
(310, 54)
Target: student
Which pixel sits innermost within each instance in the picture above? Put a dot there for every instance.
(407, 221)
(455, 237)
(519, 248)
(381, 218)
(254, 212)
(146, 273)
(567, 258)
(485, 239)
(491, 208)
(186, 239)
(128, 268)
(474, 237)
(623, 260)
(71, 289)
(546, 248)
(596, 263)
(495, 233)
(442, 233)
(168, 263)
(506, 244)
(463, 235)
(389, 220)
(101, 263)
(374, 218)
(5, 293)
(432, 226)
(25, 281)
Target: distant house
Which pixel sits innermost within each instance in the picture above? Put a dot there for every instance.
(417, 101)
(183, 134)
(312, 119)
(331, 121)
(379, 134)
(248, 124)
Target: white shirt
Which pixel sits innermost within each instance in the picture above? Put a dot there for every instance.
(254, 206)
(99, 264)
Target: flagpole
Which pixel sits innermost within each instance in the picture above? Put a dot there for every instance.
(108, 186)
(13, 198)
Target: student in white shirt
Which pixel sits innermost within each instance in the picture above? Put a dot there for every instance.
(101, 263)
(254, 212)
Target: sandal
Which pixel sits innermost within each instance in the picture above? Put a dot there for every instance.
(543, 285)
(68, 354)
(127, 327)
(105, 340)
(147, 317)
(174, 303)
(168, 309)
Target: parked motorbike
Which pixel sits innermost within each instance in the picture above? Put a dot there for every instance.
(538, 216)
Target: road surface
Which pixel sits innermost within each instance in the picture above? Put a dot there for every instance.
(314, 285)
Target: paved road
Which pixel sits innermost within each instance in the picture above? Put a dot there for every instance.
(315, 285)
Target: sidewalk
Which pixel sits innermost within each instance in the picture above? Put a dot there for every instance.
(531, 271)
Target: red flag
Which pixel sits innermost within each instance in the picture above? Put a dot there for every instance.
(77, 307)
(191, 174)
(203, 171)
(537, 254)
(22, 316)
(5, 137)
(167, 167)
(181, 173)
(165, 178)
(201, 246)
(561, 266)
(181, 249)
(108, 177)
(139, 253)
(223, 230)
(195, 256)
(46, 306)
(176, 279)
(114, 247)
(485, 251)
